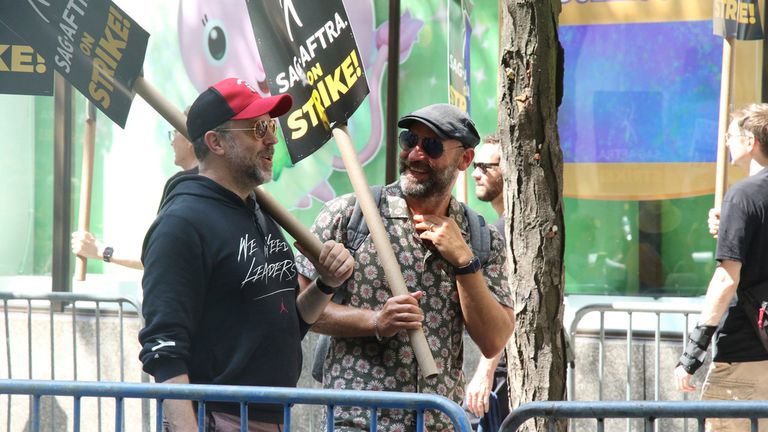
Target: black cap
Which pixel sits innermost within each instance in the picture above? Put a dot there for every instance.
(447, 121)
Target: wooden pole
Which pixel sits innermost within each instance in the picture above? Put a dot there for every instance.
(726, 83)
(381, 241)
(393, 77)
(166, 109)
(86, 184)
(285, 219)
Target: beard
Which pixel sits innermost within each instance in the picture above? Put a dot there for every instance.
(488, 193)
(436, 184)
(248, 169)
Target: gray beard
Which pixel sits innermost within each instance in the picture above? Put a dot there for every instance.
(436, 185)
(244, 172)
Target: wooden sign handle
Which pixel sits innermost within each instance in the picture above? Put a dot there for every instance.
(86, 184)
(387, 258)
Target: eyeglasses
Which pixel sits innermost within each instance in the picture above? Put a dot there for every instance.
(259, 128)
(728, 136)
(484, 166)
(433, 147)
(171, 135)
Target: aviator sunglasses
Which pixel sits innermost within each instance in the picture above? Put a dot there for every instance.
(433, 147)
(259, 128)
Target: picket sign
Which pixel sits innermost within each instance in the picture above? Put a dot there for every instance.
(732, 20)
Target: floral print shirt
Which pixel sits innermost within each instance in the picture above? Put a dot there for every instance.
(390, 365)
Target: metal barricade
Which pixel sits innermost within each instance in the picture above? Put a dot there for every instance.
(656, 310)
(287, 397)
(97, 327)
(649, 411)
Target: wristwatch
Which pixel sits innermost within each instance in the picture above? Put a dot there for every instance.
(325, 289)
(107, 254)
(473, 266)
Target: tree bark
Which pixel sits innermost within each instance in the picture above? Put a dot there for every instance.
(533, 185)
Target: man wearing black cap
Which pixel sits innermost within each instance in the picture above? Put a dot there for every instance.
(220, 282)
(449, 286)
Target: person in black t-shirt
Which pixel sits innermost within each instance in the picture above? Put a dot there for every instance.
(739, 359)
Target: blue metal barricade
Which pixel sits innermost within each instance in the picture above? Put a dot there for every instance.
(286, 397)
(649, 411)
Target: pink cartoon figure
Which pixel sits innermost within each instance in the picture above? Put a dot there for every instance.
(217, 41)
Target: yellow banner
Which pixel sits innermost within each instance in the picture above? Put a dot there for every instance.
(633, 11)
(641, 181)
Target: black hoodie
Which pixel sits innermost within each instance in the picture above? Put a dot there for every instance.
(220, 287)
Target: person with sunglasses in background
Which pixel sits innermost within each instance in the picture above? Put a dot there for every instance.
(487, 395)
(450, 289)
(221, 301)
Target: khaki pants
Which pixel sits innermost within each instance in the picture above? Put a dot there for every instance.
(736, 381)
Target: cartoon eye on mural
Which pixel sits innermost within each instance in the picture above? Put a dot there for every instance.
(216, 41)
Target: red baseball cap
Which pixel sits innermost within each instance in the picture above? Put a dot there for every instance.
(231, 99)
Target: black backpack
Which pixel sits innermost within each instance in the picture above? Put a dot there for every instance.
(357, 232)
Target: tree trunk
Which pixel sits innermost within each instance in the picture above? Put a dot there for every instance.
(533, 183)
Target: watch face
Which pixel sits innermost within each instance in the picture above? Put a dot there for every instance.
(107, 255)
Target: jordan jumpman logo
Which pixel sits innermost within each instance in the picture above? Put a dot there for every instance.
(283, 309)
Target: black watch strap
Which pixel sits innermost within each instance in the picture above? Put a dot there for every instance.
(472, 267)
(107, 254)
(325, 289)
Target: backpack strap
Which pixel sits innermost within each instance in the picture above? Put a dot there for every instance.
(357, 229)
(479, 234)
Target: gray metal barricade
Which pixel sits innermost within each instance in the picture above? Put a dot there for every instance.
(630, 311)
(648, 411)
(287, 397)
(79, 337)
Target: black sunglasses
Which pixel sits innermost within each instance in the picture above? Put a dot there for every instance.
(433, 147)
(484, 166)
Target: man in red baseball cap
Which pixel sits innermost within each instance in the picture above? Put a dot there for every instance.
(221, 300)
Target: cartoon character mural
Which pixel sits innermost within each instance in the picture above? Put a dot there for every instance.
(216, 41)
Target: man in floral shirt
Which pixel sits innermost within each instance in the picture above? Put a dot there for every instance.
(448, 288)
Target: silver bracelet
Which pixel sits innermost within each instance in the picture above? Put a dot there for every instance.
(376, 325)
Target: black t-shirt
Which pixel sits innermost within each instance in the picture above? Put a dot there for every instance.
(743, 237)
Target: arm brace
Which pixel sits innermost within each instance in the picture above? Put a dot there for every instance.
(696, 348)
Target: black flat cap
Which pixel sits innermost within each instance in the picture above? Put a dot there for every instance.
(445, 120)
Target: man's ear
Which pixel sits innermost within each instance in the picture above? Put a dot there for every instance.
(214, 142)
(466, 159)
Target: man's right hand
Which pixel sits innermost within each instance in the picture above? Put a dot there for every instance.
(683, 380)
(179, 413)
(479, 393)
(400, 313)
(85, 245)
(713, 221)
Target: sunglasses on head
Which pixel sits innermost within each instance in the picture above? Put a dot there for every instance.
(433, 147)
(259, 128)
